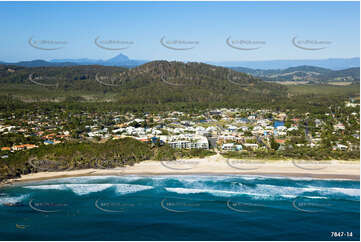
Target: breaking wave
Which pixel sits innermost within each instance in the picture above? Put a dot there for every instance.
(84, 189)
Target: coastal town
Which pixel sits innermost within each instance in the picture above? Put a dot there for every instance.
(223, 130)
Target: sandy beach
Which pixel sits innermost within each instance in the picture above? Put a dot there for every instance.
(218, 165)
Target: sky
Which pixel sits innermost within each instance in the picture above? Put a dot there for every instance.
(189, 31)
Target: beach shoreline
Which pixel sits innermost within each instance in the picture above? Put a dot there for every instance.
(215, 165)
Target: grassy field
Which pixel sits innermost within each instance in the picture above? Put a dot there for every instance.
(289, 82)
(325, 90)
(340, 83)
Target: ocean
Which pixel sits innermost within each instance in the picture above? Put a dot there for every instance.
(181, 207)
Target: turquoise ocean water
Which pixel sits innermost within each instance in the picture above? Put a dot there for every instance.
(181, 207)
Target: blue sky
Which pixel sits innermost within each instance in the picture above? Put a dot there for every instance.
(209, 24)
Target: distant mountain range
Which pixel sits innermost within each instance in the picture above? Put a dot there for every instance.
(119, 60)
(333, 63)
(304, 73)
(124, 61)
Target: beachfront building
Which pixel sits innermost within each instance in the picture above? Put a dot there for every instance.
(228, 147)
(188, 142)
(232, 147)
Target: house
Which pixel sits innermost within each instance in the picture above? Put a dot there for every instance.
(5, 149)
(242, 120)
(312, 145)
(18, 147)
(92, 134)
(8, 128)
(280, 133)
(339, 126)
(281, 128)
(318, 122)
(156, 140)
(280, 141)
(340, 147)
(215, 113)
(226, 137)
(269, 128)
(138, 120)
(142, 139)
(282, 116)
(357, 136)
(156, 132)
(118, 130)
(243, 128)
(48, 142)
(238, 147)
(203, 132)
(211, 129)
(278, 123)
(292, 129)
(30, 146)
(232, 128)
(130, 130)
(228, 147)
(202, 143)
(263, 122)
(257, 130)
(350, 104)
(251, 146)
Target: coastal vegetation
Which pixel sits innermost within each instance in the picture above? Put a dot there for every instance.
(74, 156)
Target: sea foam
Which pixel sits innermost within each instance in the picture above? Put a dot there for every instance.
(13, 200)
(84, 189)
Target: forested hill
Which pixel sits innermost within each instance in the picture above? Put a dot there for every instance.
(156, 82)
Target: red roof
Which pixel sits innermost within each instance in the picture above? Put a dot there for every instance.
(280, 141)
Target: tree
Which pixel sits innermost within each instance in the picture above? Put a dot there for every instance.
(274, 144)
